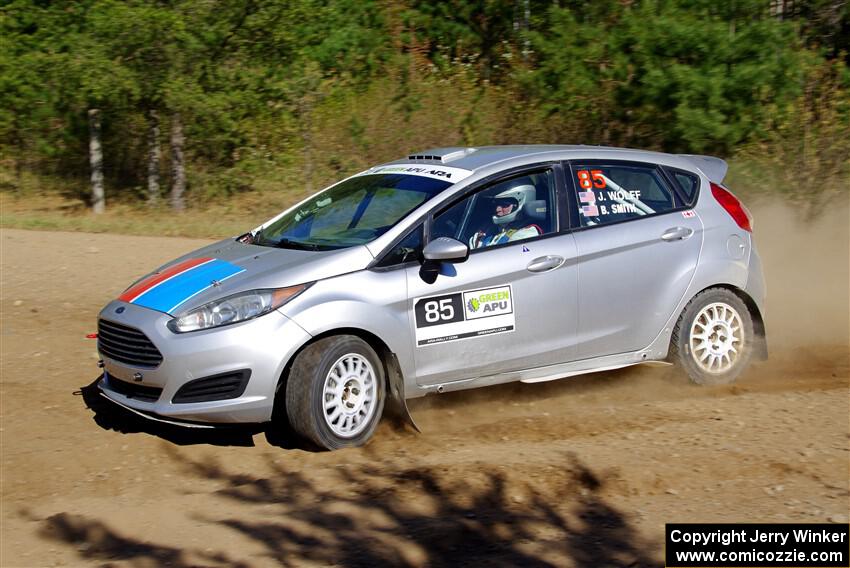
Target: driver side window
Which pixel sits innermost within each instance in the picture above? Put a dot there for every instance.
(510, 210)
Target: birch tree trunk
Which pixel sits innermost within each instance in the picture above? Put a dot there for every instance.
(153, 157)
(305, 108)
(178, 169)
(96, 161)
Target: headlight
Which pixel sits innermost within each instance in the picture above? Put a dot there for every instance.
(234, 309)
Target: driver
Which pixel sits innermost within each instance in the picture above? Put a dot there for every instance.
(510, 221)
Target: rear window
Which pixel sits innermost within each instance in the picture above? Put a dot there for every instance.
(609, 194)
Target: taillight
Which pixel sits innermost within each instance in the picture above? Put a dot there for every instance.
(733, 206)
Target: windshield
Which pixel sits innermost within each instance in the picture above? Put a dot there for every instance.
(353, 212)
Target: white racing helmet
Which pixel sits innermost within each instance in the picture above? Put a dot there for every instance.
(522, 194)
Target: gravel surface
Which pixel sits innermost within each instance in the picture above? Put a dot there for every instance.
(578, 472)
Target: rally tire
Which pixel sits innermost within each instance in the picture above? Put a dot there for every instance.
(713, 338)
(335, 392)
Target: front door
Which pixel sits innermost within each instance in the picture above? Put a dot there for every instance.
(512, 304)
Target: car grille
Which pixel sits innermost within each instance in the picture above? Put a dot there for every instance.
(134, 391)
(218, 387)
(126, 345)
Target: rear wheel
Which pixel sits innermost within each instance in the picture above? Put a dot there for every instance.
(335, 392)
(713, 339)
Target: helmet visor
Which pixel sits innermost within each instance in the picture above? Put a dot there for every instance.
(504, 202)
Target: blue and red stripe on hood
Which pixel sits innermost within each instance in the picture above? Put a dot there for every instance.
(167, 290)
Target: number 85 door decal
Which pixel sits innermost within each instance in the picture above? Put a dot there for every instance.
(464, 315)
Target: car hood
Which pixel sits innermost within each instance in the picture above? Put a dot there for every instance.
(228, 267)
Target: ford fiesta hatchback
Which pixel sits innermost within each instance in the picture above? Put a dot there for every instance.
(449, 269)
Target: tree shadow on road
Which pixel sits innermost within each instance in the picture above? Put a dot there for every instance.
(398, 513)
(94, 540)
(366, 515)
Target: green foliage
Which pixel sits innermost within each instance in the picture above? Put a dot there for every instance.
(481, 33)
(682, 76)
(824, 26)
(286, 95)
(806, 155)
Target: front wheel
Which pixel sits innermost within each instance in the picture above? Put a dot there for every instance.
(713, 339)
(335, 392)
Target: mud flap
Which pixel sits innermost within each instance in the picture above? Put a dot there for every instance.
(396, 402)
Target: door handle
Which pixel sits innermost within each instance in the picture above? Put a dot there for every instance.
(676, 234)
(544, 263)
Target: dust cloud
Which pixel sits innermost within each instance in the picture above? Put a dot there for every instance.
(807, 269)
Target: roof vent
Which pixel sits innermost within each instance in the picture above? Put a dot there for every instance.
(442, 155)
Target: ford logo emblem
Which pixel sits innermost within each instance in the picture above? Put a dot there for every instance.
(120, 310)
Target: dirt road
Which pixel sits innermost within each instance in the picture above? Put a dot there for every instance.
(578, 472)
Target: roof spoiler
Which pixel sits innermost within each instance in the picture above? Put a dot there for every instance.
(713, 168)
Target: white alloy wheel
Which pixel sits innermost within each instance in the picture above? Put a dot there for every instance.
(335, 392)
(349, 396)
(716, 338)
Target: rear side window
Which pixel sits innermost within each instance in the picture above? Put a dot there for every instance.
(688, 183)
(611, 193)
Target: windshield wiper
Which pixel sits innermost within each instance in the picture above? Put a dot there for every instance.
(298, 245)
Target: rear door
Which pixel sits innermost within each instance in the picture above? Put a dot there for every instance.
(638, 246)
(510, 305)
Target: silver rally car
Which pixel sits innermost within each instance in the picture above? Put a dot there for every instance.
(449, 269)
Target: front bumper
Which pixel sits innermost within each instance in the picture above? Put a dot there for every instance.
(263, 345)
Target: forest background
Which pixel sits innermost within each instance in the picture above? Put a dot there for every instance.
(205, 117)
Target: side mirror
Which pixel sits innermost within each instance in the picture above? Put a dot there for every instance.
(445, 249)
